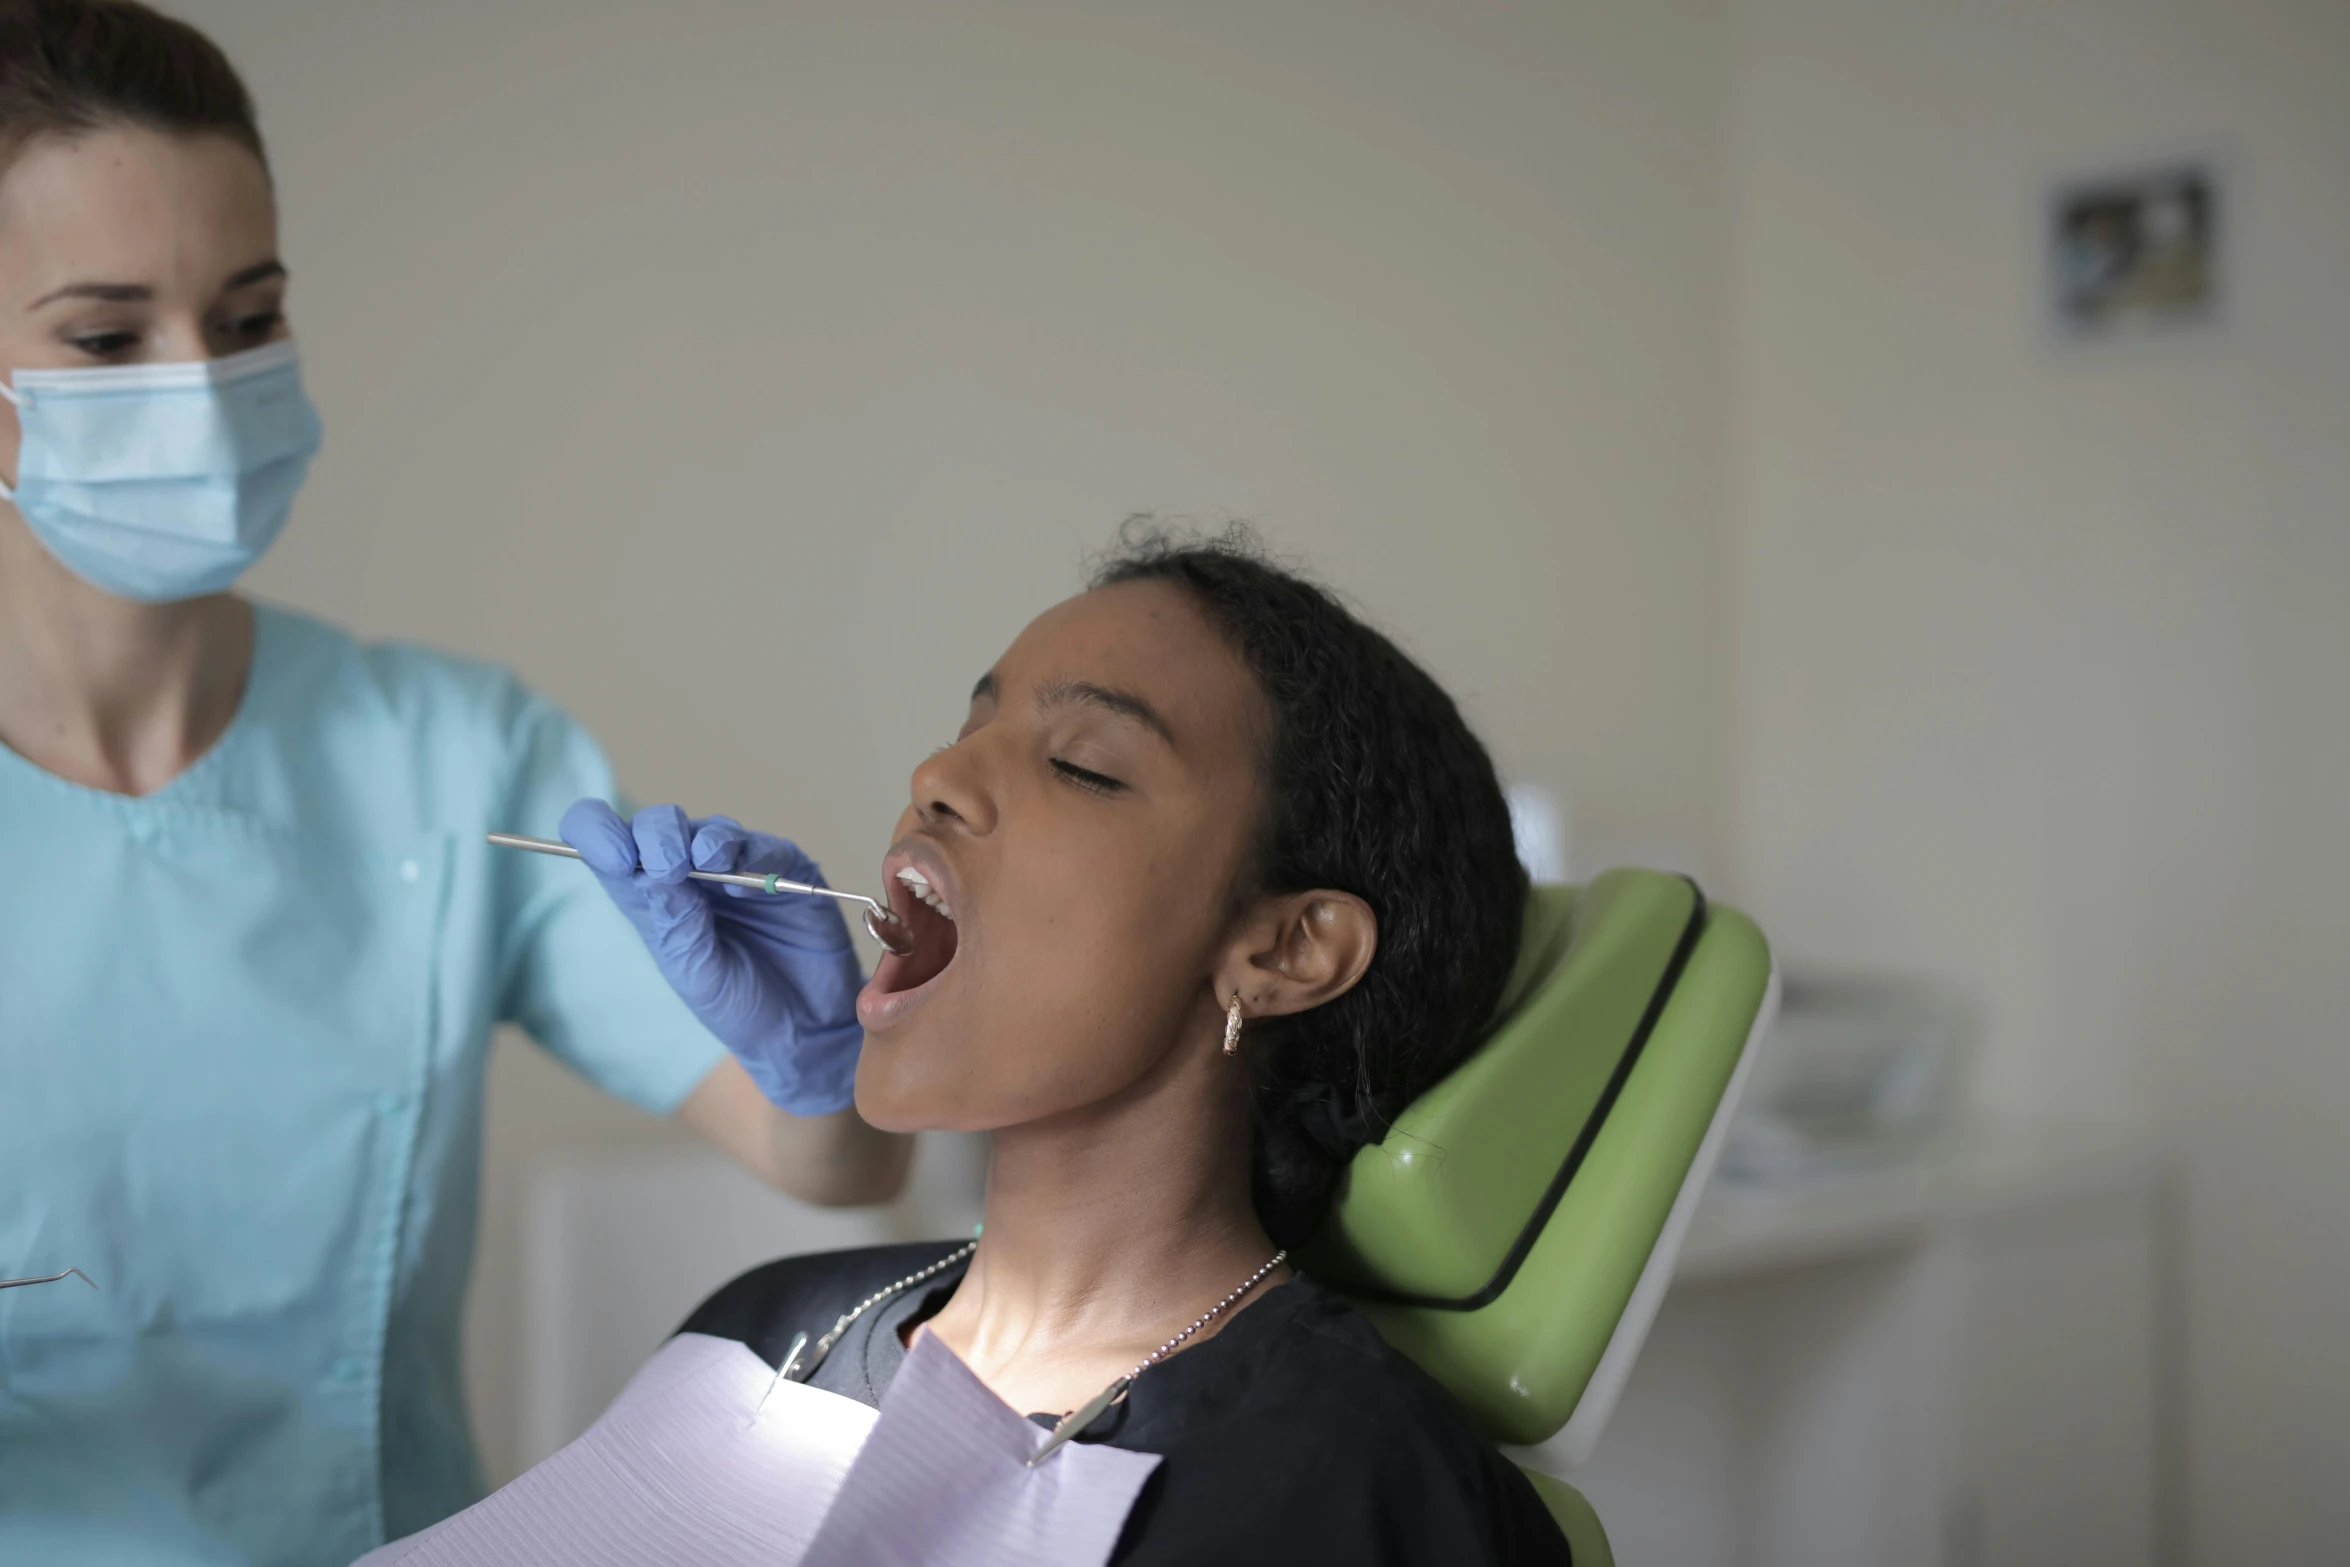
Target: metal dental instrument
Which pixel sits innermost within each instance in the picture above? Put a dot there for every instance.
(70, 1273)
(881, 921)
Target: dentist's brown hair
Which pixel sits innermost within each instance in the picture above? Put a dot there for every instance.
(68, 67)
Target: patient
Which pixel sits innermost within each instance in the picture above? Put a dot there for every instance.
(1201, 794)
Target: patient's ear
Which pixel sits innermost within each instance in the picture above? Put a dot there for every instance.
(1297, 951)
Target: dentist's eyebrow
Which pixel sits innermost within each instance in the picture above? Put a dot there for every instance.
(115, 293)
(1065, 693)
(983, 689)
(259, 271)
(135, 293)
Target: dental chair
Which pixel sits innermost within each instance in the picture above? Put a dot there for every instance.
(1516, 1228)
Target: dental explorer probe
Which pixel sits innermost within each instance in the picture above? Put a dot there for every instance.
(49, 1278)
(881, 921)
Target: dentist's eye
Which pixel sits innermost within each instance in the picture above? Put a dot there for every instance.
(105, 345)
(1086, 778)
(258, 325)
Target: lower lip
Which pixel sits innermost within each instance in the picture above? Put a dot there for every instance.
(878, 1009)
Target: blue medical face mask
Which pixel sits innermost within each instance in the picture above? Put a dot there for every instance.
(162, 482)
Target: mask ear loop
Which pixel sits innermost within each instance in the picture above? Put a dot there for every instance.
(20, 401)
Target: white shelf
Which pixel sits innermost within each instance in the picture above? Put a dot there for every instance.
(1979, 1171)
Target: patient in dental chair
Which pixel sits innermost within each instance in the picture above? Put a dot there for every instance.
(1213, 881)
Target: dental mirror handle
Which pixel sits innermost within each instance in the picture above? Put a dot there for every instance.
(881, 921)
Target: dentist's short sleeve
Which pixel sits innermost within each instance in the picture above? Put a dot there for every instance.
(577, 979)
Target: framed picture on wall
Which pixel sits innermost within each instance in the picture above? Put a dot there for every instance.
(2135, 252)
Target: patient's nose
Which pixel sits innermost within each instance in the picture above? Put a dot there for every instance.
(950, 787)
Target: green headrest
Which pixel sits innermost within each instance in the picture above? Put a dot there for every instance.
(1498, 1230)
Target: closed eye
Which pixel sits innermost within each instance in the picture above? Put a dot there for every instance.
(1086, 778)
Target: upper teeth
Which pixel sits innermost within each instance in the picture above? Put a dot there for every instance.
(919, 885)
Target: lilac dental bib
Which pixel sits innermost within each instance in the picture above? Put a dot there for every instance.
(688, 1467)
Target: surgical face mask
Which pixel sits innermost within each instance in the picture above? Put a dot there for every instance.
(162, 482)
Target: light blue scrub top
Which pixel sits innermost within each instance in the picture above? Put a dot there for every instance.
(242, 1031)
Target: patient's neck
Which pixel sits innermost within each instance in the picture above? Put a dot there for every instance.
(1106, 1234)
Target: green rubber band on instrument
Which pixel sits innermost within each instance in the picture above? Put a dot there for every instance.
(772, 878)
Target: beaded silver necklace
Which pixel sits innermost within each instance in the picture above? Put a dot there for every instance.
(801, 1360)
(1088, 1412)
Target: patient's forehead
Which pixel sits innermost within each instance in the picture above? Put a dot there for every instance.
(1150, 639)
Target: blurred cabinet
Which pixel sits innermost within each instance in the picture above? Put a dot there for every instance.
(1949, 1362)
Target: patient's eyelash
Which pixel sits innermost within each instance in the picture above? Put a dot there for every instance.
(1086, 778)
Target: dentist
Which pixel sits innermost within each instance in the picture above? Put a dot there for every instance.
(252, 944)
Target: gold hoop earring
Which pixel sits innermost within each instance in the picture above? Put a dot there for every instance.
(1232, 1027)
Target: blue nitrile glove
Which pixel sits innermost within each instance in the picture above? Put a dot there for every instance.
(771, 974)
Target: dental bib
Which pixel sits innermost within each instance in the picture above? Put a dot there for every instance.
(689, 1467)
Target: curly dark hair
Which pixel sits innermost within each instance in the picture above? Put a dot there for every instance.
(1373, 785)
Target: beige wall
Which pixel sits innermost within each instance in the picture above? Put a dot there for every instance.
(745, 374)
(2041, 653)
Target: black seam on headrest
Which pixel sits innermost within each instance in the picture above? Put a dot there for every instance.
(1524, 1244)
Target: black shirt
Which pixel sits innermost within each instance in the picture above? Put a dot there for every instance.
(1294, 1436)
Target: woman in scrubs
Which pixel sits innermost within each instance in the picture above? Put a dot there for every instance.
(252, 944)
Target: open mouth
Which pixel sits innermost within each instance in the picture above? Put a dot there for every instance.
(919, 896)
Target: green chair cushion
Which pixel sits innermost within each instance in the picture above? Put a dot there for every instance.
(1497, 1231)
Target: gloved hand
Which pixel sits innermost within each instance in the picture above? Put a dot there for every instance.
(772, 975)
